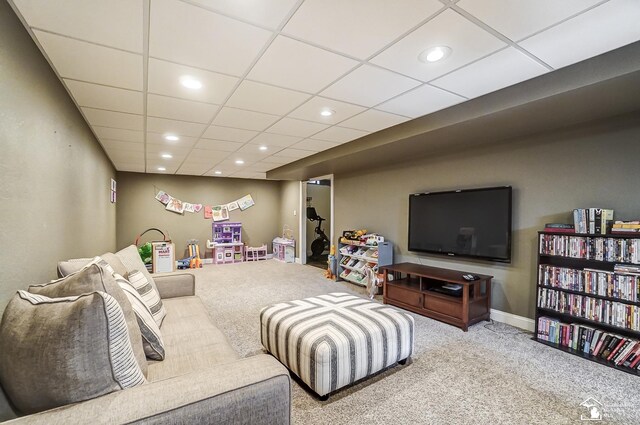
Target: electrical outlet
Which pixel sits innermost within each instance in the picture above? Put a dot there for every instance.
(295, 213)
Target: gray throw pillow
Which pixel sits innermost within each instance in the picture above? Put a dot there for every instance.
(97, 276)
(151, 336)
(67, 267)
(57, 351)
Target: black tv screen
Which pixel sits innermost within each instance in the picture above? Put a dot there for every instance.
(469, 223)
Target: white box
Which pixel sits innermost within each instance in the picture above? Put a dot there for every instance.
(164, 258)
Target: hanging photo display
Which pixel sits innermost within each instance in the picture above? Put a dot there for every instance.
(163, 197)
(189, 207)
(208, 212)
(175, 205)
(220, 213)
(245, 202)
(217, 213)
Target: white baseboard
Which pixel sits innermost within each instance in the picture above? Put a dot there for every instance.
(513, 320)
(298, 260)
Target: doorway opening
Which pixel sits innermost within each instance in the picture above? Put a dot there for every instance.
(318, 221)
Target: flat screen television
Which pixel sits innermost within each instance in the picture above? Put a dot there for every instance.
(467, 223)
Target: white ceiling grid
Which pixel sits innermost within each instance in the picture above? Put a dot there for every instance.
(269, 67)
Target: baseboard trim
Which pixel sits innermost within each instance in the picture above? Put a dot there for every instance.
(298, 260)
(513, 320)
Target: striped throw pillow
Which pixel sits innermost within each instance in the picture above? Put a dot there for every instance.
(87, 359)
(149, 294)
(151, 336)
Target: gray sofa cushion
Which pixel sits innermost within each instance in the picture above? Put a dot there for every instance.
(57, 351)
(191, 341)
(92, 278)
(67, 267)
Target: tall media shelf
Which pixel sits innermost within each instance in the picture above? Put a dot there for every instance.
(588, 297)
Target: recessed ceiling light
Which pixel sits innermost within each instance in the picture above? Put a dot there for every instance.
(434, 54)
(327, 112)
(162, 169)
(190, 82)
(171, 137)
(239, 162)
(217, 172)
(263, 148)
(166, 156)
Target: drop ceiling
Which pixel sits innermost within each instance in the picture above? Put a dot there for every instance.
(268, 68)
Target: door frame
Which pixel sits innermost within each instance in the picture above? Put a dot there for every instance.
(302, 224)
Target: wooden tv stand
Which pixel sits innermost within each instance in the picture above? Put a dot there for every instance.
(414, 287)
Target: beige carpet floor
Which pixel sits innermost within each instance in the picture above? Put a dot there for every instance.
(493, 374)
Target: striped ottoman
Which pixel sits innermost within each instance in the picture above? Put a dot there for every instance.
(333, 340)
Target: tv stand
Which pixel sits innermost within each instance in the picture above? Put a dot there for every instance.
(419, 289)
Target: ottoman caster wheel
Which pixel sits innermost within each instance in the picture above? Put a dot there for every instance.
(324, 397)
(403, 361)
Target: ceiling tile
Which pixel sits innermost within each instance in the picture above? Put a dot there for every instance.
(164, 78)
(133, 167)
(102, 97)
(492, 73)
(264, 98)
(218, 145)
(179, 109)
(193, 36)
(299, 66)
(180, 128)
(89, 20)
(357, 86)
(467, 41)
(79, 60)
(519, 19)
(261, 167)
(247, 157)
(193, 169)
(293, 153)
(125, 155)
(294, 127)
(118, 134)
(421, 101)
(104, 118)
(315, 145)
(247, 120)
(120, 145)
(277, 160)
(229, 164)
(268, 139)
(339, 134)
(255, 152)
(606, 27)
(229, 134)
(158, 139)
(268, 13)
(357, 27)
(176, 151)
(373, 120)
(311, 110)
(203, 156)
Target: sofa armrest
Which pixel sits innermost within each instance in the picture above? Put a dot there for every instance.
(171, 285)
(254, 390)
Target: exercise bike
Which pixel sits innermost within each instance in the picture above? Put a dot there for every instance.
(321, 242)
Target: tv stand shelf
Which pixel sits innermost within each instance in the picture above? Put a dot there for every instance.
(414, 287)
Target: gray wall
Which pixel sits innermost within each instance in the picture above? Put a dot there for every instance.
(551, 175)
(138, 209)
(55, 176)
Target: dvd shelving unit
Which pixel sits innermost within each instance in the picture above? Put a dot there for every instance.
(353, 256)
(588, 296)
